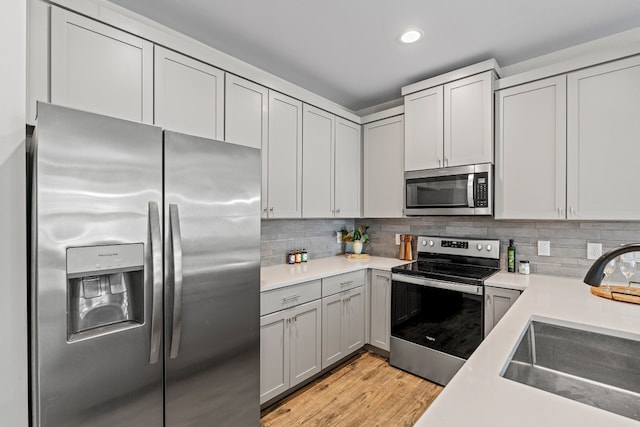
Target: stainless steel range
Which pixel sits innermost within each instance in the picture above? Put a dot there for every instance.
(437, 305)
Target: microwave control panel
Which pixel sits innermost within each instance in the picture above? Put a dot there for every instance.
(481, 196)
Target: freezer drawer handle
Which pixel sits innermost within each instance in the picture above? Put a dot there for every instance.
(156, 268)
(176, 249)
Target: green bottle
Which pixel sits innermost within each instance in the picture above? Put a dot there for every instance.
(511, 257)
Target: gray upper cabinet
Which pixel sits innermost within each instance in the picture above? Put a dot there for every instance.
(347, 169)
(97, 68)
(246, 112)
(450, 124)
(424, 129)
(318, 138)
(383, 168)
(189, 95)
(284, 157)
(330, 166)
(531, 150)
(603, 141)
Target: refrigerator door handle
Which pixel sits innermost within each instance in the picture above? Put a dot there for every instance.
(156, 267)
(176, 249)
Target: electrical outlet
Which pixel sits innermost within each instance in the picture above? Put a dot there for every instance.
(594, 250)
(338, 237)
(544, 248)
(397, 239)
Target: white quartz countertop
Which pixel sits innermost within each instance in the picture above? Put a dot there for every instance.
(518, 281)
(477, 396)
(278, 276)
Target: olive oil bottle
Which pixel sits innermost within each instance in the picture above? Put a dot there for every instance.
(511, 257)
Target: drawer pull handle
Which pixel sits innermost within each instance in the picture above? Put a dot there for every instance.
(347, 283)
(291, 298)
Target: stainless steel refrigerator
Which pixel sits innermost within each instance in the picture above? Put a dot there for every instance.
(145, 275)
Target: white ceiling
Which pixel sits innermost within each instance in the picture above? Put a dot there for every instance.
(348, 50)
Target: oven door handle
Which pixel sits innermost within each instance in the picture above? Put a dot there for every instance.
(456, 287)
(470, 199)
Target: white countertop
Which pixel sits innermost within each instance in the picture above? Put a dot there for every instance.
(477, 396)
(278, 276)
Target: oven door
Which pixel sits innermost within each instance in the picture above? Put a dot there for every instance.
(444, 316)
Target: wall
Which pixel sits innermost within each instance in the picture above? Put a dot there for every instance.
(568, 238)
(13, 282)
(317, 236)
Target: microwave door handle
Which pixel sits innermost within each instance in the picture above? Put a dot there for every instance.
(470, 181)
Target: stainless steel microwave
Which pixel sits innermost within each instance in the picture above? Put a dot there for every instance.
(459, 190)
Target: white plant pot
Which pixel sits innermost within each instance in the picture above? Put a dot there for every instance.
(357, 247)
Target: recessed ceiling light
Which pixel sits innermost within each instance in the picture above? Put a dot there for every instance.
(411, 36)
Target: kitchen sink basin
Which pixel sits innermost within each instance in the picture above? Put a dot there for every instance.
(589, 365)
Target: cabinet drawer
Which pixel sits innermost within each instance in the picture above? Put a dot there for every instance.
(342, 282)
(290, 296)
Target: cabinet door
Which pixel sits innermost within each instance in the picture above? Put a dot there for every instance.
(306, 339)
(347, 161)
(317, 165)
(284, 166)
(424, 121)
(246, 118)
(246, 112)
(97, 68)
(468, 120)
(354, 320)
(380, 309)
(332, 329)
(189, 95)
(530, 179)
(603, 134)
(274, 355)
(497, 303)
(383, 168)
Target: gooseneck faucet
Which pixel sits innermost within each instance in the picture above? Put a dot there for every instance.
(596, 272)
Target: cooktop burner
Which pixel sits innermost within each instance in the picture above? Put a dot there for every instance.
(446, 271)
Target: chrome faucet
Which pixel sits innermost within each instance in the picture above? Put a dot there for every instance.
(596, 272)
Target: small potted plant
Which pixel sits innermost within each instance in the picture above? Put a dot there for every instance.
(360, 237)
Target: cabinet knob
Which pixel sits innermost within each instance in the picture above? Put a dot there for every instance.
(438, 162)
(271, 209)
(337, 211)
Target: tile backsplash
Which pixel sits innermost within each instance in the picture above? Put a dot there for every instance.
(317, 236)
(568, 238)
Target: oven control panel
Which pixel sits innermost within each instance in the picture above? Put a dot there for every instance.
(465, 247)
(461, 244)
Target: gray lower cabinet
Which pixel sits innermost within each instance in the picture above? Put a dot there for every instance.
(497, 303)
(289, 348)
(342, 325)
(380, 312)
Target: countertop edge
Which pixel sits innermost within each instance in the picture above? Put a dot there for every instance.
(283, 275)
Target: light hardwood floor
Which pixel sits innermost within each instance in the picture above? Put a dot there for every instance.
(365, 391)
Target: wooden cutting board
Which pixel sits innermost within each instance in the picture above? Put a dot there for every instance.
(618, 293)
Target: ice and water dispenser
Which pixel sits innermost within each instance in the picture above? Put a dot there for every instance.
(105, 289)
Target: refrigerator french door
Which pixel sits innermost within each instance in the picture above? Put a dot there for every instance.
(145, 275)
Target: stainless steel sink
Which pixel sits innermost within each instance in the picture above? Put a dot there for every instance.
(598, 367)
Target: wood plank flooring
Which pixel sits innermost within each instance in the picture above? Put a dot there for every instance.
(365, 391)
